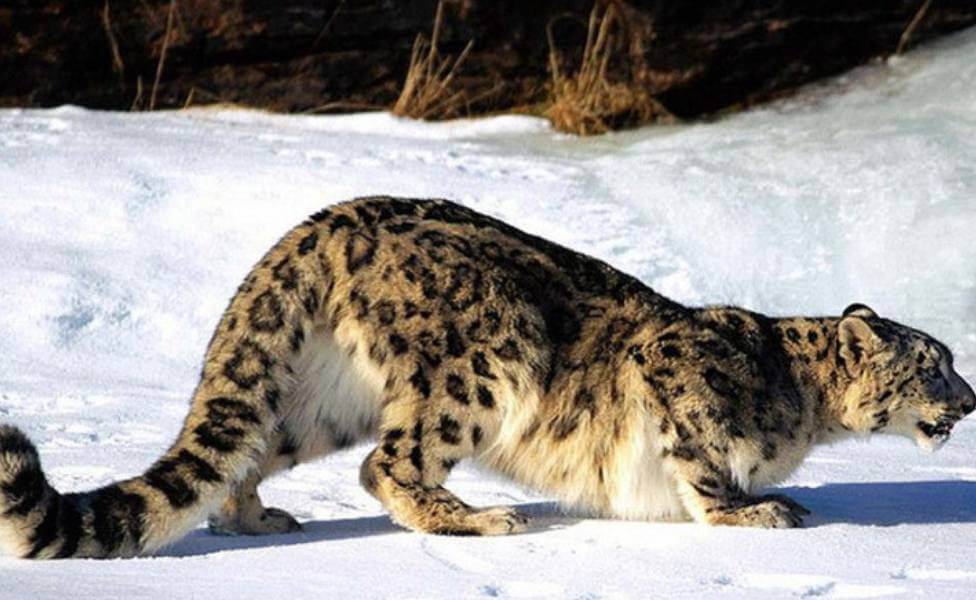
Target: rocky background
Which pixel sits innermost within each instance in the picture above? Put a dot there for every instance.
(691, 58)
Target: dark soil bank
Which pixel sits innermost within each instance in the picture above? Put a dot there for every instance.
(695, 57)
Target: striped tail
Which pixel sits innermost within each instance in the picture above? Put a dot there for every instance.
(32, 513)
(232, 417)
(123, 519)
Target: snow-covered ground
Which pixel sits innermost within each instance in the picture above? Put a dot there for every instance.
(123, 235)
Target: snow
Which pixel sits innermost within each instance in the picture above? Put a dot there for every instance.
(123, 235)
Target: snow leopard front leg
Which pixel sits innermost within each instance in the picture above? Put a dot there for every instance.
(716, 422)
(711, 496)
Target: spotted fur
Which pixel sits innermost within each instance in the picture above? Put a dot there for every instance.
(444, 335)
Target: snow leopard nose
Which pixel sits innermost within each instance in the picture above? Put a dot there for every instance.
(965, 394)
(969, 401)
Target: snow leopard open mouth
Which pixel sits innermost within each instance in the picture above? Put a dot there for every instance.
(939, 431)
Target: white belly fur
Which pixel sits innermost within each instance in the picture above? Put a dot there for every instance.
(334, 392)
(641, 488)
(637, 485)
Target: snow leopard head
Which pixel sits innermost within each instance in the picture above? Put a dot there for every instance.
(902, 379)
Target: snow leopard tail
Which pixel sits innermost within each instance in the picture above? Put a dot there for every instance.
(232, 417)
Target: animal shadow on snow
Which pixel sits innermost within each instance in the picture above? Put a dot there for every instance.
(875, 504)
(888, 503)
(545, 515)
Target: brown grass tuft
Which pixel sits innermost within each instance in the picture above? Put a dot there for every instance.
(117, 65)
(588, 102)
(162, 54)
(137, 101)
(906, 36)
(427, 91)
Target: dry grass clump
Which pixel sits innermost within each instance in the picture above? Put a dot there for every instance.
(906, 36)
(118, 65)
(588, 102)
(427, 91)
(162, 54)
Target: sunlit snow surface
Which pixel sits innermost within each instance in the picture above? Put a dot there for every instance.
(123, 235)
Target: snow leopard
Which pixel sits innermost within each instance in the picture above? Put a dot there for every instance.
(444, 334)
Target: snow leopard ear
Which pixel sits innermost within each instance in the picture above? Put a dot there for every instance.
(860, 310)
(857, 341)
